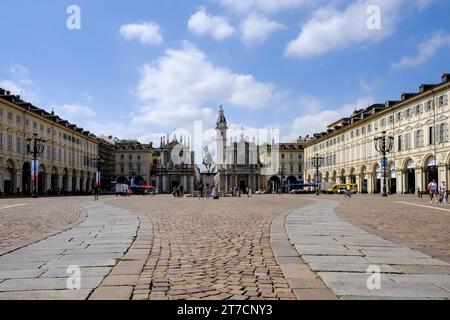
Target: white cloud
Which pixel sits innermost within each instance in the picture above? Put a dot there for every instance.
(182, 85)
(317, 119)
(256, 28)
(202, 23)
(267, 6)
(74, 112)
(426, 50)
(146, 33)
(330, 29)
(21, 84)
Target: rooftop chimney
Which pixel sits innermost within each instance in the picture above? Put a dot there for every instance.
(446, 78)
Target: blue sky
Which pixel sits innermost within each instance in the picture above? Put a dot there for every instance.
(138, 69)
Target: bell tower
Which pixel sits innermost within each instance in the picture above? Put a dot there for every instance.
(221, 139)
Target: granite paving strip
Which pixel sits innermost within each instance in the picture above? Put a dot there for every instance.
(305, 284)
(340, 254)
(125, 279)
(40, 270)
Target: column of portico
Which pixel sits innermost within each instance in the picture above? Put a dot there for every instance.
(165, 184)
(158, 183)
(401, 181)
(420, 179)
(370, 181)
(442, 174)
(2, 180)
(348, 179)
(49, 181)
(78, 179)
(69, 183)
(185, 183)
(89, 184)
(18, 181)
(192, 184)
(447, 176)
(360, 181)
(60, 182)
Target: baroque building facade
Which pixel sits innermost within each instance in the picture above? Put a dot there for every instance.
(283, 167)
(238, 162)
(419, 124)
(174, 165)
(67, 164)
(133, 162)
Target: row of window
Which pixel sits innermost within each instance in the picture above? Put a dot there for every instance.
(40, 127)
(403, 142)
(327, 161)
(435, 135)
(292, 169)
(291, 156)
(130, 157)
(399, 116)
(131, 169)
(50, 153)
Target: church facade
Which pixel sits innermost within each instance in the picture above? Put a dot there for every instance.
(174, 166)
(238, 162)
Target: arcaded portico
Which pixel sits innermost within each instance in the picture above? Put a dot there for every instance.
(67, 163)
(419, 124)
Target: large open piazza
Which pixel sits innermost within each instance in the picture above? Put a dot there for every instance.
(224, 159)
(289, 247)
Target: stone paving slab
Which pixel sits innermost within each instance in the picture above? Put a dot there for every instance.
(46, 295)
(349, 267)
(405, 273)
(32, 284)
(354, 284)
(39, 271)
(85, 271)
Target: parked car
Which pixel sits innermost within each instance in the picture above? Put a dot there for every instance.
(342, 188)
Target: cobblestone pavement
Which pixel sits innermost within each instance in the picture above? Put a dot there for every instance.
(208, 249)
(402, 219)
(234, 248)
(40, 270)
(24, 221)
(341, 254)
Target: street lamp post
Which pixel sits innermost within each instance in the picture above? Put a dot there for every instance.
(35, 147)
(317, 162)
(132, 175)
(98, 162)
(384, 145)
(282, 172)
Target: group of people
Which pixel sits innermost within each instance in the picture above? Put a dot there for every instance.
(438, 193)
(237, 192)
(178, 192)
(208, 191)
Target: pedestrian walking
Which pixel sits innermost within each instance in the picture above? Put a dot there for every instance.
(208, 191)
(433, 190)
(181, 194)
(214, 193)
(201, 188)
(443, 193)
(349, 192)
(96, 191)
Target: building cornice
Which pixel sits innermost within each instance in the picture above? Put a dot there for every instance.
(427, 91)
